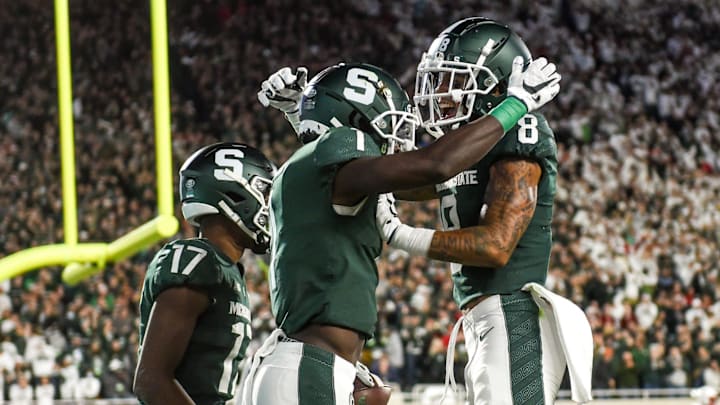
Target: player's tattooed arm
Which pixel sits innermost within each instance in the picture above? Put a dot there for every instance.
(511, 197)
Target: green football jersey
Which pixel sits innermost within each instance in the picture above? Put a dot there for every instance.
(461, 203)
(323, 256)
(209, 369)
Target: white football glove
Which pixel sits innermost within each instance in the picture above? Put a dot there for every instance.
(535, 86)
(371, 390)
(386, 217)
(283, 89)
(364, 374)
(415, 241)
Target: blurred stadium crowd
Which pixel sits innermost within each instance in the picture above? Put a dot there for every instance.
(637, 218)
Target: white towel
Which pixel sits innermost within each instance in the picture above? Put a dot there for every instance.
(572, 329)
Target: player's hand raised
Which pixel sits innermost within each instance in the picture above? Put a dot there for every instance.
(283, 89)
(536, 85)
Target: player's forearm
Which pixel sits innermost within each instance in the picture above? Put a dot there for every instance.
(468, 144)
(476, 246)
(510, 198)
(434, 164)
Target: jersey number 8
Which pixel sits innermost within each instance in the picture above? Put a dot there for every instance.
(528, 132)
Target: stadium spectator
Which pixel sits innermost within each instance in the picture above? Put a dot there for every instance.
(711, 374)
(645, 311)
(116, 382)
(44, 391)
(21, 392)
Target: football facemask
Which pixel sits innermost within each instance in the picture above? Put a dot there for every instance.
(445, 91)
(397, 127)
(259, 188)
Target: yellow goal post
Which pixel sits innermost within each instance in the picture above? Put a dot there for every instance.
(82, 260)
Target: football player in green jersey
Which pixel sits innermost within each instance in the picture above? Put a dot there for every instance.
(194, 311)
(496, 216)
(323, 202)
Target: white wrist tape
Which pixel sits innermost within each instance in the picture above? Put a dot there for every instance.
(294, 120)
(415, 241)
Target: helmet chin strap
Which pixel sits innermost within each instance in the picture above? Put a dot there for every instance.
(238, 221)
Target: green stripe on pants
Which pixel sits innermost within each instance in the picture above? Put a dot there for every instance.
(523, 329)
(315, 377)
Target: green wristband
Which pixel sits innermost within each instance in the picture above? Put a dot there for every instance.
(509, 112)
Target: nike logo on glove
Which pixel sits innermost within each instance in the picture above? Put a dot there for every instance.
(482, 335)
(536, 88)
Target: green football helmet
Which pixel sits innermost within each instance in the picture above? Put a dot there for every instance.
(464, 73)
(232, 179)
(362, 96)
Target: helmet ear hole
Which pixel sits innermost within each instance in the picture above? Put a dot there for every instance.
(359, 121)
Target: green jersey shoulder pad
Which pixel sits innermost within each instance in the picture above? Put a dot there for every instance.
(341, 144)
(187, 262)
(531, 138)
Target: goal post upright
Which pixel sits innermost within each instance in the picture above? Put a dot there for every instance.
(82, 260)
(65, 121)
